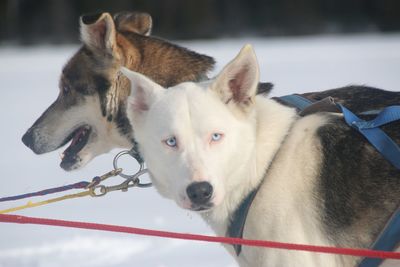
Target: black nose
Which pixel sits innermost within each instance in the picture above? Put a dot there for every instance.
(27, 139)
(199, 192)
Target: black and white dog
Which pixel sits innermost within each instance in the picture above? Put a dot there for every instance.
(210, 145)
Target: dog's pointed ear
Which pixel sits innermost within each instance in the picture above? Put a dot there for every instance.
(98, 31)
(137, 22)
(143, 93)
(237, 83)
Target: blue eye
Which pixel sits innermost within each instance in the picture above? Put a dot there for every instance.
(171, 142)
(216, 137)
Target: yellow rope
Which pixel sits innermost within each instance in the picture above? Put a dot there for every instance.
(45, 202)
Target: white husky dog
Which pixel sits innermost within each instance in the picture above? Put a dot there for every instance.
(209, 145)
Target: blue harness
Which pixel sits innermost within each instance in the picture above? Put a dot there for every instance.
(389, 238)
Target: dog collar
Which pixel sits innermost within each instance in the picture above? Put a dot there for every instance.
(236, 226)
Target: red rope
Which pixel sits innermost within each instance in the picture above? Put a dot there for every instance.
(227, 240)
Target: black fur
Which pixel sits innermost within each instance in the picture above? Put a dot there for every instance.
(102, 85)
(90, 18)
(264, 88)
(356, 202)
(358, 98)
(122, 121)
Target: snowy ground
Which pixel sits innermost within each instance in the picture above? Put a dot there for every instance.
(29, 79)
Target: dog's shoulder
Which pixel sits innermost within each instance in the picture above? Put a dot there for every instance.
(356, 184)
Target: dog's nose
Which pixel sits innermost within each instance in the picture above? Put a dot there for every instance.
(27, 139)
(199, 192)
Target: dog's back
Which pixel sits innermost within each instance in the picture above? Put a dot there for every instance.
(353, 194)
(360, 189)
(358, 98)
(336, 188)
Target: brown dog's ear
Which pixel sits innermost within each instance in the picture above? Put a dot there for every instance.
(98, 31)
(136, 22)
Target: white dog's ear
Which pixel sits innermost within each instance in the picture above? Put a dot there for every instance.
(98, 31)
(143, 92)
(237, 82)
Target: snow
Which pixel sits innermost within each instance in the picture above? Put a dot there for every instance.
(29, 78)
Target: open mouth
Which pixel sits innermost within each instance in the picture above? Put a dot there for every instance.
(80, 138)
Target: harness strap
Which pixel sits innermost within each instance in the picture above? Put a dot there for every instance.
(376, 136)
(296, 101)
(387, 241)
(238, 220)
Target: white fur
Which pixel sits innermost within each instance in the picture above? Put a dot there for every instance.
(257, 137)
(286, 205)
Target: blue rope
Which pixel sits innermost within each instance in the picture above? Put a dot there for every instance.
(79, 185)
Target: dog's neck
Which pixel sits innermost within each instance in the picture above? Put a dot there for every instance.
(165, 63)
(272, 123)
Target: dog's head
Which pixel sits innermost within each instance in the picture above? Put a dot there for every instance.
(195, 136)
(90, 111)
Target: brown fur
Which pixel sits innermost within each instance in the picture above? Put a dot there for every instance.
(164, 63)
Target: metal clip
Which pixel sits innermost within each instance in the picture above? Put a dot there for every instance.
(98, 190)
(97, 180)
(101, 190)
(141, 171)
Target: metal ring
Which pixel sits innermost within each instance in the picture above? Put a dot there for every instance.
(141, 171)
(140, 184)
(115, 164)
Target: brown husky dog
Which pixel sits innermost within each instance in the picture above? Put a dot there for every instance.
(90, 108)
